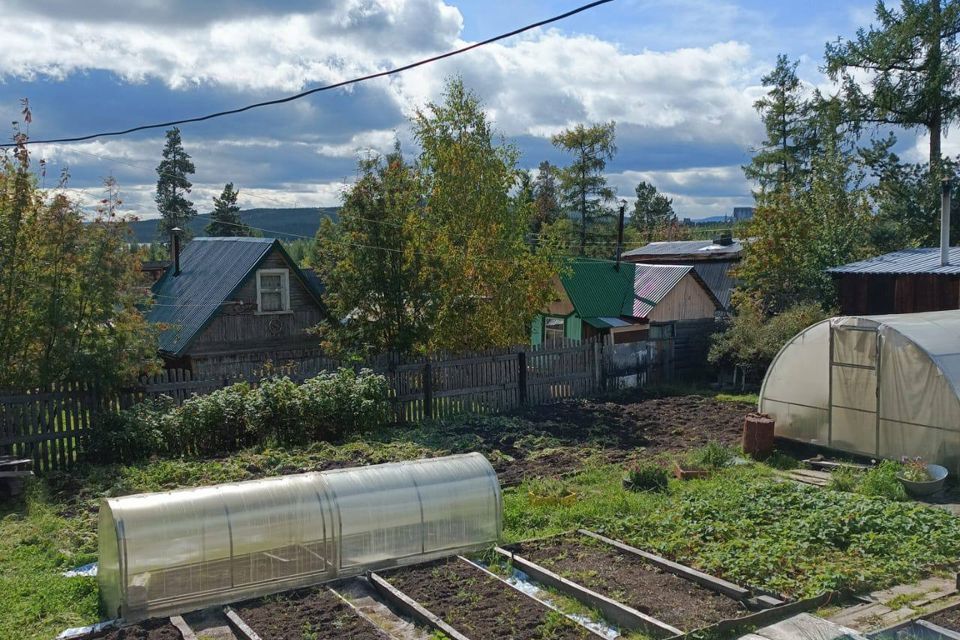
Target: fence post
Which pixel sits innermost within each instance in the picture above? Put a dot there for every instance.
(427, 391)
(522, 377)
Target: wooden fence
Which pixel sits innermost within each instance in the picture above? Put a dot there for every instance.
(47, 424)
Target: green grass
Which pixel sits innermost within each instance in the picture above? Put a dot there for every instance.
(739, 524)
(743, 526)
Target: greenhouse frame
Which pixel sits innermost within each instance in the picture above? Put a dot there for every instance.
(881, 386)
(167, 553)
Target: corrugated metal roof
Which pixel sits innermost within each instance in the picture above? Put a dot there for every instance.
(599, 292)
(211, 269)
(595, 288)
(688, 248)
(925, 260)
(651, 284)
(716, 275)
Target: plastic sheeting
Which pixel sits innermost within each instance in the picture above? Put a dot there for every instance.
(883, 386)
(166, 553)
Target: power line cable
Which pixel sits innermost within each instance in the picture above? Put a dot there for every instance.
(336, 85)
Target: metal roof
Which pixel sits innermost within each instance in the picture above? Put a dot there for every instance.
(716, 274)
(925, 260)
(651, 284)
(211, 270)
(691, 249)
(599, 293)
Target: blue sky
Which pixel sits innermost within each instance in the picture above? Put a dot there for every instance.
(679, 77)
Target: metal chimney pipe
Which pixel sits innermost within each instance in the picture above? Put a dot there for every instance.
(945, 222)
(623, 207)
(175, 248)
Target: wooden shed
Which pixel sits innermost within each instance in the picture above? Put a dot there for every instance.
(229, 305)
(908, 281)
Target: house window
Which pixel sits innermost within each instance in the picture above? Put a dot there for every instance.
(552, 329)
(273, 290)
(662, 331)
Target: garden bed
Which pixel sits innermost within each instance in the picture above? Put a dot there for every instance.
(306, 614)
(632, 581)
(159, 629)
(949, 619)
(479, 605)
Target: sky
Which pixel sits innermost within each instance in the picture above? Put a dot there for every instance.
(679, 77)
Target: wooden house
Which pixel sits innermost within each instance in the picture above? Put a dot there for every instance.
(908, 281)
(713, 260)
(632, 303)
(231, 304)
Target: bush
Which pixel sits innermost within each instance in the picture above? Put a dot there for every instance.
(879, 481)
(129, 435)
(645, 476)
(713, 456)
(278, 411)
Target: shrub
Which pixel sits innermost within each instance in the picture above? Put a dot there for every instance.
(645, 476)
(882, 481)
(845, 479)
(275, 412)
(342, 402)
(211, 423)
(127, 436)
(713, 456)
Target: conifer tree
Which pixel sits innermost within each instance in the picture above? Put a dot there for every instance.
(225, 220)
(173, 184)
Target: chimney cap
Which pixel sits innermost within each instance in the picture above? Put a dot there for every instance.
(176, 230)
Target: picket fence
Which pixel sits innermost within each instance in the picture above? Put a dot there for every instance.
(47, 425)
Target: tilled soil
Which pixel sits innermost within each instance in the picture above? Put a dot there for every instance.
(631, 581)
(307, 614)
(946, 619)
(558, 436)
(146, 630)
(480, 606)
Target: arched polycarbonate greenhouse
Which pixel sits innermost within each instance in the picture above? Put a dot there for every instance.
(165, 553)
(884, 386)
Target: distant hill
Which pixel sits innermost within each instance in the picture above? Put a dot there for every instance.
(280, 223)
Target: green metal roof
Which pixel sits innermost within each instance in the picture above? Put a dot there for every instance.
(595, 287)
(600, 293)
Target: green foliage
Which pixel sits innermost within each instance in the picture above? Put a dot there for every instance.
(645, 476)
(326, 407)
(744, 527)
(433, 255)
(546, 198)
(70, 288)
(914, 470)
(652, 212)
(713, 456)
(583, 186)
(879, 481)
(225, 219)
(751, 339)
(173, 183)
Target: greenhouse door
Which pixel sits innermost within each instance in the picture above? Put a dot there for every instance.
(854, 363)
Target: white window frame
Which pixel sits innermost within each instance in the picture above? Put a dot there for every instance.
(284, 290)
(563, 327)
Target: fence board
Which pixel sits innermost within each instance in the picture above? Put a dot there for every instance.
(48, 424)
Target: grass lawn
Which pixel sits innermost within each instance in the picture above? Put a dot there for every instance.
(740, 524)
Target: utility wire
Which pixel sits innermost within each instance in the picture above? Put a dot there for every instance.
(336, 85)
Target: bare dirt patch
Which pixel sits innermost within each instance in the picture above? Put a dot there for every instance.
(481, 606)
(146, 630)
(631, 581)
(308, 613)
(947, 619)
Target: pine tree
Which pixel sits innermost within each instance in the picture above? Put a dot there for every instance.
(782, 159)
(583, 185)
(225, 219)
(172, 186)
(912, 64)
(651, 211)
(546, 199)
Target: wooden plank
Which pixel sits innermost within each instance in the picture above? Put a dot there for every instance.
(239, 626)
(411, 607)
(713, 583)
(943, 631)
(624, 616)
(490, 574)
(183, 628)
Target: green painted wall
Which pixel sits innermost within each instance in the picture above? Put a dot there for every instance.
(573, 327)
(536, 330)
